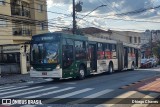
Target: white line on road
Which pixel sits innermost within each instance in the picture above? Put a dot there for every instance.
(20, 90)
(74, 93)
(28, 106)
(95, 95)
(52, 92)
(125, 95)
(67, 95)
(12, 88)
(30, 92)
(6, 87)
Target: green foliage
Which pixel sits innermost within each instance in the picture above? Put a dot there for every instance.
(156, 51)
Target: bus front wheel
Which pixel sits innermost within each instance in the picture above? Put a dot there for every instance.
(81, 73)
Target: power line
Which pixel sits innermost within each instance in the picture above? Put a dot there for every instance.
(121, 19)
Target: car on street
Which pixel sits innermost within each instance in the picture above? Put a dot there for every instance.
(153, 62)
(146, 63)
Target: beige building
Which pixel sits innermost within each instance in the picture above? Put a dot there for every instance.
(123, 36)
(19, 20)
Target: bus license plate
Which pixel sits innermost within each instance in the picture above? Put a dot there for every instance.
(44, 73)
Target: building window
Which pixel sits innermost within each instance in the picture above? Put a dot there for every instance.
(2, 2)
(139, 39)
(135, 39)
(40, 7)
(130, 39)
(3, 23)
(42, 27)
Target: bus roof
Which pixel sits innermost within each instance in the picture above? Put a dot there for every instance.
(71, 36)
(131, 45)
(95, 39)
(75, 37)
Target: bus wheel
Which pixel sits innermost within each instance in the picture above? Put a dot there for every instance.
(81, 73)
(132, 67)
(110, 68)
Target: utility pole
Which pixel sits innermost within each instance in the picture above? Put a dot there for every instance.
(151, 43)
(74, 18)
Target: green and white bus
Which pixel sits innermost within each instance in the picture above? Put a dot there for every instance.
(59, 55)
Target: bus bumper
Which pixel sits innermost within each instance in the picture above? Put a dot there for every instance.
(56, 73)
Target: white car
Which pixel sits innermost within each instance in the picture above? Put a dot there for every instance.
(153, 62)
(145, 63)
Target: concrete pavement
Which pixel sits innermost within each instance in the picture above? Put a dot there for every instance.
(100, 87)
(18, 78)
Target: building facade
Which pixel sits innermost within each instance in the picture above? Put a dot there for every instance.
(19, 20)
(123, 36)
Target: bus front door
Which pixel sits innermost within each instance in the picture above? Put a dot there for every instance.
(93, 57)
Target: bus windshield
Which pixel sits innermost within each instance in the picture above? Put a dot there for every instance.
(43, 53)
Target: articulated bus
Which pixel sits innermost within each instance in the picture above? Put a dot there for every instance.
(59, 55)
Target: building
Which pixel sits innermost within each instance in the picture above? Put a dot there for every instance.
(19, 20)
(124, 36)
(149, 40)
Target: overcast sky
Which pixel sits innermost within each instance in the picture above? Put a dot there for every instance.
(105, 17)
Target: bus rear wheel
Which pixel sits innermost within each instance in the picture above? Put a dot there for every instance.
(81, 75)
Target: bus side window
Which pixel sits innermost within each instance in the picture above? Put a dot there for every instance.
(80, 50)
(129, 50)
(67, 53)
(100, 52)
(113, 47)
(114, 54)
(107, 50)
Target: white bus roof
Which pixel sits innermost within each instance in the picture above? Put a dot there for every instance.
(130, 45)
(101, 40)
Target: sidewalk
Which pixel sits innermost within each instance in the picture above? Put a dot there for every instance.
(150, 84)
(18, 78)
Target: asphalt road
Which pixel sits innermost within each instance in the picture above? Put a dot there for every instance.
(92, 91)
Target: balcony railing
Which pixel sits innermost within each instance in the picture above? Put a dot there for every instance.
(20, 12)
(22, 32)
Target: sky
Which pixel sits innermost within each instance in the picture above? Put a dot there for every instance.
(105, 17)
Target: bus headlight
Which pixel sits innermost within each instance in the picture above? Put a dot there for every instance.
(58, 67)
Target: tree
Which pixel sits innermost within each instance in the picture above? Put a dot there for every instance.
(156, 50)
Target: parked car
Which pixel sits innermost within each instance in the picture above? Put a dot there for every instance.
(153, 62)
(146, 63)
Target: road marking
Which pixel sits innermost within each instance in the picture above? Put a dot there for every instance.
(84, 99)
(151, 96)
(70, 83)
(20, 90)
(125, 95)
(12, 88)
(28, 106)
(67, 95)
(74, 93)
(39, 90)
(49, 79)
(48, 93)
(6, 87)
